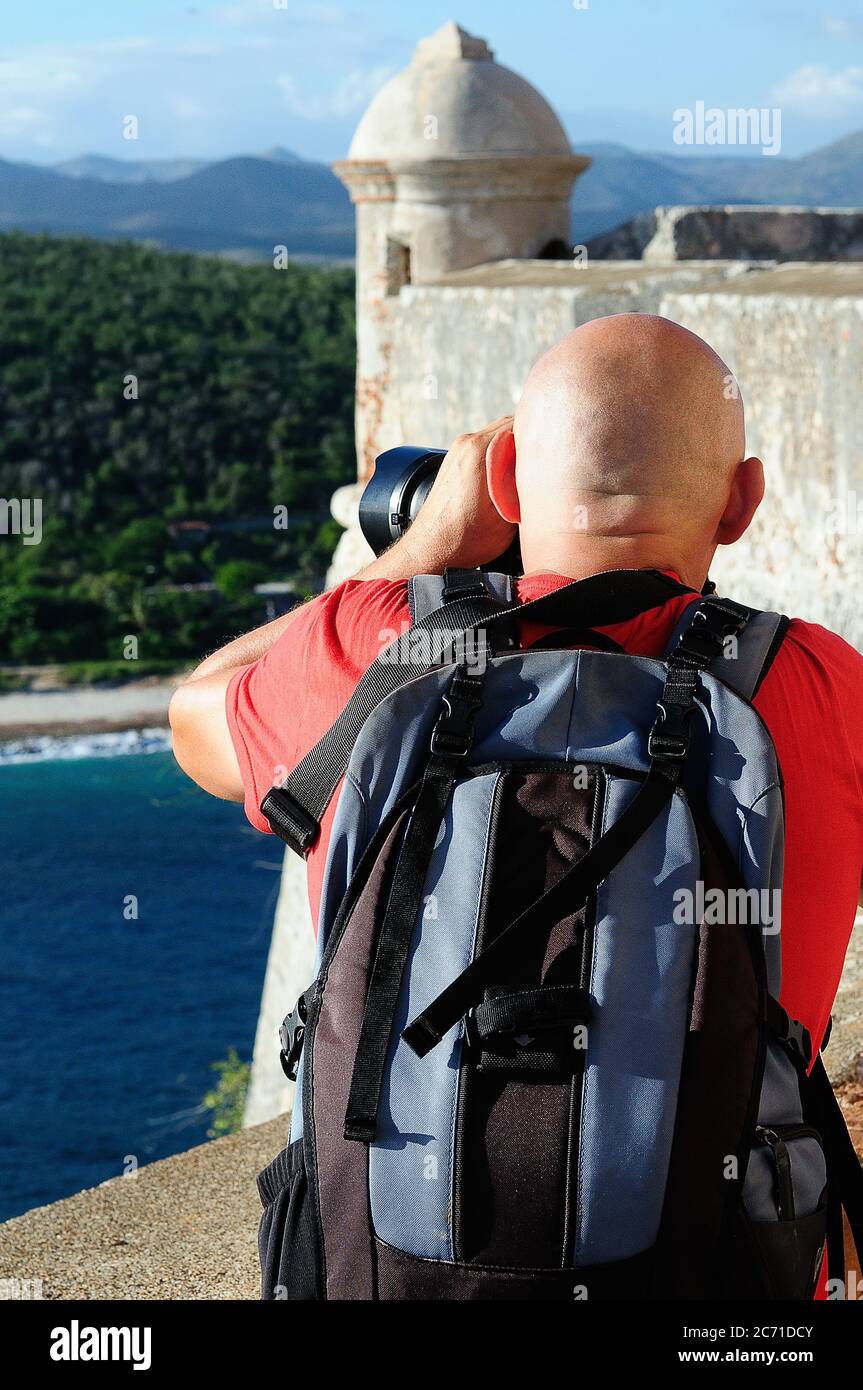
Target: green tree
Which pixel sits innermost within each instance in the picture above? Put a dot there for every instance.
(140, 392)
(237, 578)
(227, 1099)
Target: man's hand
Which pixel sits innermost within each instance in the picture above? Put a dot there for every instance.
(459, 525)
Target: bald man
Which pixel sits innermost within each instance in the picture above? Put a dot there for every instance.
(626, 451)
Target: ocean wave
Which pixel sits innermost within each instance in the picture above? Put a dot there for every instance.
(38, 748)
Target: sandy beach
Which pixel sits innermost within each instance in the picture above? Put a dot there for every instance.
(84, 709)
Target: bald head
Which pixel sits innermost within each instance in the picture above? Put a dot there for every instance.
(629, 427)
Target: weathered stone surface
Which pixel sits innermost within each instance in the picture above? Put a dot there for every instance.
(353, 551)
(844, 1055)
(463, 346)
(453, 100)
(735, 233)
(451, 41)
(290, 968)
(795, 342)
(184, 1228)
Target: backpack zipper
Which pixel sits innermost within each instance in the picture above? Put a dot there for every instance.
(572, 1205)
(777, 1137)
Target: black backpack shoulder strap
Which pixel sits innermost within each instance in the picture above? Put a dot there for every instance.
(757, 645)
(844, 1171)
(458, 598)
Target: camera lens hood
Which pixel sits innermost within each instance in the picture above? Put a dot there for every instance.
(395, 492)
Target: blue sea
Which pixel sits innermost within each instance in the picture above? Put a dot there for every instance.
(109, 1026)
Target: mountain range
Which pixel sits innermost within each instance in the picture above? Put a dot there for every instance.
(622, 182)
(243, 206)
(247, 204)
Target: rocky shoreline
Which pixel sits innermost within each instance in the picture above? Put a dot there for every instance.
(76, 710)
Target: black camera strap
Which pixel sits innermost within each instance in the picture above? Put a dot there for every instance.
(295, 808)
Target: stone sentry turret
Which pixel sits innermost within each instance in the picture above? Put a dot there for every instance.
(457, 162)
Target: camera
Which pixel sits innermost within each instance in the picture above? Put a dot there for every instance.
(396, 491)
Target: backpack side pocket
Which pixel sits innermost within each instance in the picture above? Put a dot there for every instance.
(784, 1198)
(288, 1243)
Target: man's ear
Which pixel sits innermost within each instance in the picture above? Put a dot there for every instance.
(500, 474)
(747, 490)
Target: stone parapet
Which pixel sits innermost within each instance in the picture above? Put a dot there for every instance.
(735, 233)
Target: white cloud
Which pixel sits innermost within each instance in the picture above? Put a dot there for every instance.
(16, 119)
(252, 13)
(186, 109)
(247, 12)
(839, 27)
(815, 87)
(352, 93)
(299, 76)
(46, 71)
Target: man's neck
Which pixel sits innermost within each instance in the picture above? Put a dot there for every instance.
(593, 555)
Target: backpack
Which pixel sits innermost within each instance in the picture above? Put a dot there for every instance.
(544, 1055)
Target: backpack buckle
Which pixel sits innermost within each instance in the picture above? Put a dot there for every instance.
(459, 584)
(292, 1034)
(799, 1041)
(452, 736)
(790, 1032)
(669, 738)
(290, 821)
(712, 624)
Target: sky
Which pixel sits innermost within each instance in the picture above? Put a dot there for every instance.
(240, 76)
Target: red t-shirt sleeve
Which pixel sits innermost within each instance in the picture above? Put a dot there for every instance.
(280, 706)
(810, 701)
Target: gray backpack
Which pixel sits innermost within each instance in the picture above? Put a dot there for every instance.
(543, 1056)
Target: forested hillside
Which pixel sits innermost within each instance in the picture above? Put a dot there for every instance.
(244, 379)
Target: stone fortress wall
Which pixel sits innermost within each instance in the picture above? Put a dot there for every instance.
(458, 291)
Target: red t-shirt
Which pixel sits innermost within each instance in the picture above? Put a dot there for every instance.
(279, 707)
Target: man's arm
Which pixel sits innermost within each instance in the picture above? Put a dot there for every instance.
(201, 737)
(458, 526)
